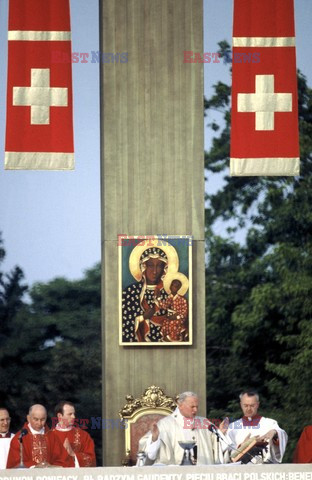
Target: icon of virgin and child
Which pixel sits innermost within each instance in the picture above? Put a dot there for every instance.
(154, 308)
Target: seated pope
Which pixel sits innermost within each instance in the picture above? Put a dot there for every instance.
(161, 443)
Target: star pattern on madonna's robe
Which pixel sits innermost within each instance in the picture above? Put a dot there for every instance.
(131, 308)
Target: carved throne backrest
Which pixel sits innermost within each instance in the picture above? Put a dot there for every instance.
(139, 414)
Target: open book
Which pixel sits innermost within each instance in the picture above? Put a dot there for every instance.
(248, 450)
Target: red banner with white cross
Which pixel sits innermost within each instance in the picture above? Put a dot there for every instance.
(39, 128)
(264, 120)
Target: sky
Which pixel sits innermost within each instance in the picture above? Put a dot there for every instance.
(50, 221)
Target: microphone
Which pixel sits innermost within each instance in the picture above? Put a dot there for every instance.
(24, 432)
(214, 429)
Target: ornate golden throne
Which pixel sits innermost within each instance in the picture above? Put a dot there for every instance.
(139, 414)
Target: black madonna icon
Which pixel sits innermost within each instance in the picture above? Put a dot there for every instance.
(155, 298)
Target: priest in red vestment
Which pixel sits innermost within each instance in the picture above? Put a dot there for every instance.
(76, 441)
(41, 447)
(303, 452)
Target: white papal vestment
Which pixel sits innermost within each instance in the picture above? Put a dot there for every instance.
(174, 428)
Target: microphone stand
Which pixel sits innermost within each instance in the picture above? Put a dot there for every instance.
(23, 433)
(215, 431)
(21, 465)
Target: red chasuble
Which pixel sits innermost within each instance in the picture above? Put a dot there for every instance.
(303, 452)
(264, 119)
(37, 449)
(81, 443)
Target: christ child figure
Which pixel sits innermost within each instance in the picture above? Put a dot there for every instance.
(174, 326)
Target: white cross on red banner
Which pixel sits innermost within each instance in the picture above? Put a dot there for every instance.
(264, 121)
(39, 128)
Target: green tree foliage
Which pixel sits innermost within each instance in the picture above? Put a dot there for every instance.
(71, 311)
(259, 290)
(50, 347)
(12, 311)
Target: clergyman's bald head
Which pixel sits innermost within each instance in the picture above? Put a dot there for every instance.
(37, 407)
(37, 417)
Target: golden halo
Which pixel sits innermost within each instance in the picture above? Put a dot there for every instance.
(176, 276)
(170, 251)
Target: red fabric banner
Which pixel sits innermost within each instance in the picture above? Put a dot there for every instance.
(264, 122)
(39, 129)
